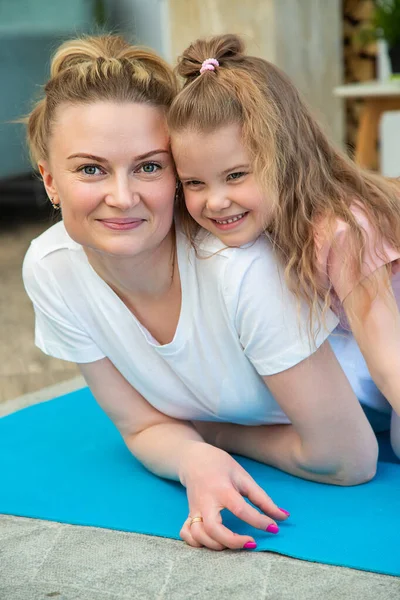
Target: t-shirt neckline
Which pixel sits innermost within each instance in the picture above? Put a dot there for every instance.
(180, 336)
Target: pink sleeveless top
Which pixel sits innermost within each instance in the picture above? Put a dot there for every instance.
(331, 258)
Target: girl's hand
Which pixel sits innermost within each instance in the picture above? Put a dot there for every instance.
(214, 481)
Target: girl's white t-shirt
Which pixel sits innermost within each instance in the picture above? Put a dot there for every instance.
(238, 321)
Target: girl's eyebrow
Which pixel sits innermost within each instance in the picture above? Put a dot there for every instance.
(104, 160)
(235, 168)
(183, 177)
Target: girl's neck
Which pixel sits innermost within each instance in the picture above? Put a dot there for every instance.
(148, 274)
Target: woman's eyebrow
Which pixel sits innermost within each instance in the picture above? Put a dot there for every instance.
(104, 160)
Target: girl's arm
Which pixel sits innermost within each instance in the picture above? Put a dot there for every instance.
(330, 439)
(377, 332)
(395, 434)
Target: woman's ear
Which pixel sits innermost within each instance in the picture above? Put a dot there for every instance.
(48, 182)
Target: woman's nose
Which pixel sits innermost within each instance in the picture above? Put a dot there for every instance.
(123, 196)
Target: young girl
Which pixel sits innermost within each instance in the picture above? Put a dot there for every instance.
(252, 160)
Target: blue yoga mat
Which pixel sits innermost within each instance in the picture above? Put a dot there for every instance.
(64, 461)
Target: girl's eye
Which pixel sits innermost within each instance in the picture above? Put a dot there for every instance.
(91, 170)
(150, 168)
(234, 176)
(192, 183)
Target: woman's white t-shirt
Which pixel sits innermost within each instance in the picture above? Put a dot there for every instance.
(238, 321)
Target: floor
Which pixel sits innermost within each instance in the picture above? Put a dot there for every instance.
(41, 560)
(23, 368)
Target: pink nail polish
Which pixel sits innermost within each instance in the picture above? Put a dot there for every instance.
(285, 511)
(272, 528)
(250, 546)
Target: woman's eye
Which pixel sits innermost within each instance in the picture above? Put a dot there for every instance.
(150, 168)
(238, 175)
(91, 170)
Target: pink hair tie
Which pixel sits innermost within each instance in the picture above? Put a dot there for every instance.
(209, 65)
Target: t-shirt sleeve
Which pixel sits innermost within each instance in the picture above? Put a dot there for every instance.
(333, 256)
(57, 331)
(272, 324)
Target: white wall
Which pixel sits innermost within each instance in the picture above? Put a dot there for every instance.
(144, 22)
(303, 37)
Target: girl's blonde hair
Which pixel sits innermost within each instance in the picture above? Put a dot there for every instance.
(98, 68)
(291, 156)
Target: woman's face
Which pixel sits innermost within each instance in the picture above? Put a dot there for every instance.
(111, 170)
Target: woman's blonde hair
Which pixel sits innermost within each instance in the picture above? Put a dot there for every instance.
(290, 154)
(98, 68)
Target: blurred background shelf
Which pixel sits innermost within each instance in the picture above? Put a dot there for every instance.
(380, 97)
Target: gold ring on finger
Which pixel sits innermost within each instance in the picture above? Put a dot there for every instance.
(195, 520)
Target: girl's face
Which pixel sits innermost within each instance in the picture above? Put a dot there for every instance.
(111, 170)
(221, 193)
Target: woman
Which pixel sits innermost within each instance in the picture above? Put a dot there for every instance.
(166, 339)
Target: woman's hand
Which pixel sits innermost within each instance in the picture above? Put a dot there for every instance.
(214, 481)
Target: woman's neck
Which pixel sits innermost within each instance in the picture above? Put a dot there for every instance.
(147, 274)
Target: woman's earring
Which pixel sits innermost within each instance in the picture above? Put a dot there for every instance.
(54, 204)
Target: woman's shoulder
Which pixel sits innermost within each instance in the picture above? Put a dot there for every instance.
(38, 263)
(53, 239)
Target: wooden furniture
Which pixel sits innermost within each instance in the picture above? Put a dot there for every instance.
(379, 97)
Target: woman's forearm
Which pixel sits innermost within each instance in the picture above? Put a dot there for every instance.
(280, 446)
(161, 448)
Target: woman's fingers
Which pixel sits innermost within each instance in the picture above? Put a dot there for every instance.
(245, 512)
(200, 535)
(257, 496)
(216, 481)
(213, 534)
(227, 538)
(195, 536)
(186, 535)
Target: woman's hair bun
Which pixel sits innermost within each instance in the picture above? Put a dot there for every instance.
(87, 49)
(226, 49)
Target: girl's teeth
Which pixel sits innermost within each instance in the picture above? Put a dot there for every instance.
(227, 221)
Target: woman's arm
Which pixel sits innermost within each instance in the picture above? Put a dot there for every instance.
(330, 439)
(155, 439)
(174, 449)
(377, 332)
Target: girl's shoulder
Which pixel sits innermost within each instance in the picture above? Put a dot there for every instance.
(209, 245)
(240, 269)
(334, 249)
